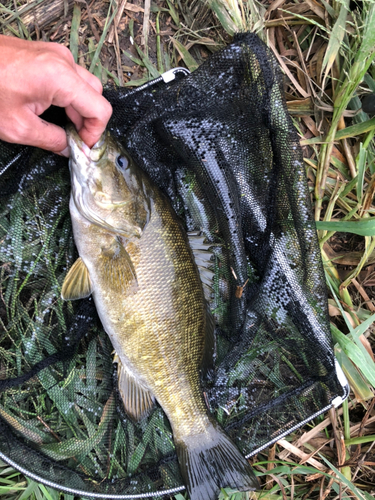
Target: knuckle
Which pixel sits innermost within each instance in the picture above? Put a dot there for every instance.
(57, 56)
(97, 85)
(107, 110)
(42, 58)
(63, 52)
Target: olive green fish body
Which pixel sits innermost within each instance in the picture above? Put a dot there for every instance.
(136, 261)
(157, 321)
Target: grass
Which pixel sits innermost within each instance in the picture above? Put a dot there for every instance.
(327, 54)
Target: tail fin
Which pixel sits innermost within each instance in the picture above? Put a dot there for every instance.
(211, 461)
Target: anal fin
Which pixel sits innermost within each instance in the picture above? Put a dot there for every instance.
(137, 400)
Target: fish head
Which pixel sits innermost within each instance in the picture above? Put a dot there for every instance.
(107, 187)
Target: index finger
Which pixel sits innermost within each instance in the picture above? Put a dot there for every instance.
(88, 103)
(95, 111)
(91, 79)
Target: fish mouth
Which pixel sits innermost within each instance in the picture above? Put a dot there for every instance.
(76, 145)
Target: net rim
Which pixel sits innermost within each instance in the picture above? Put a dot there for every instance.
(113, 496)
(87, 494)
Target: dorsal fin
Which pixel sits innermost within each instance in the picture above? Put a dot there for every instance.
(208, 359)
(77, 283)
(196, 240)
(137, 400)
(202, 256)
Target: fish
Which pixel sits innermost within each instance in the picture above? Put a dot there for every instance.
(137, 262)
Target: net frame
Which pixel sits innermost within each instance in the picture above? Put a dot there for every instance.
(336, 401)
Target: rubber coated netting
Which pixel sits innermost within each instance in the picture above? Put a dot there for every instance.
(220, 144)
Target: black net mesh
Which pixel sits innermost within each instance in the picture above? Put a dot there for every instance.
(221, 145)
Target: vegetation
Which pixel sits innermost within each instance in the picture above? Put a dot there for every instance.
(326, 50)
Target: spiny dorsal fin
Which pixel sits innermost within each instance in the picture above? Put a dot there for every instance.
(208, 359)
(196, 240)
(207, 275)
(137, 400)
(208, 292)
(77, 283)
(207, 278)
(118, 267)
(202, 256)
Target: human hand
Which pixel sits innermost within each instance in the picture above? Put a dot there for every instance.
(35, 75)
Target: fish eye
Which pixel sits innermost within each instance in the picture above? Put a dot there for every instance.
(121, 162)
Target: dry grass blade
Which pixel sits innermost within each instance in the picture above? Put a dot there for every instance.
(335, 40)
(303, 456)
(327, 54)
(117, 20)
(343, 94)
(117, 44)
(229, 18)
(38, 14)
(288, 72)
(107, 25)
(236, 16)
(146, 26)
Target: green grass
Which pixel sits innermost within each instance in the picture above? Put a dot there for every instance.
(342, 190)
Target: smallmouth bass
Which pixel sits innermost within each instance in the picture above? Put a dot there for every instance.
(136, 261)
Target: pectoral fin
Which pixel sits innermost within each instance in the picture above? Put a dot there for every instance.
(77, 283)
(137, 400)
(118, 268)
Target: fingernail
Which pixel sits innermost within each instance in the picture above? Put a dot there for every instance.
(65, 152)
